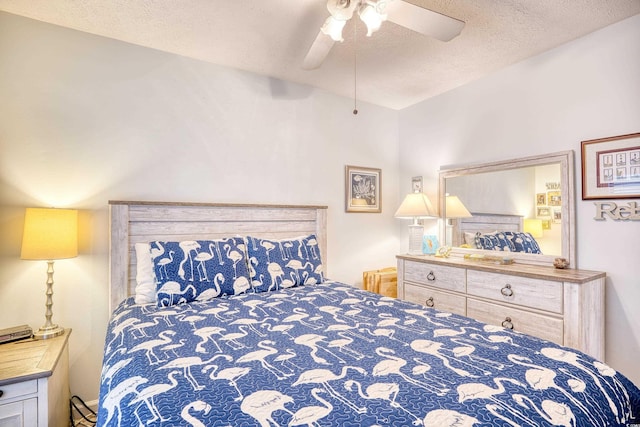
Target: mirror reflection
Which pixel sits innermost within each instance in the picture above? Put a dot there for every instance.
(532, 195)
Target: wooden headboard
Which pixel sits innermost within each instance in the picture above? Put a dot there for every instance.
(484, 223)
(134, 222)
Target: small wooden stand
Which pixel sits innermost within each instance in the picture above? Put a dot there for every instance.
(383, 281)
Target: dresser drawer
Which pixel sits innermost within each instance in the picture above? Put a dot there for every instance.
(535, 293)
(439, 276)
(17, 390)
(439, 300)
(538, 325)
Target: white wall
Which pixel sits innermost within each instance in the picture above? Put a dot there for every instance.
(84, 119)
(586, 89)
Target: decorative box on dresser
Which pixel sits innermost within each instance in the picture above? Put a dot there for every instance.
(34, 382)
(565, 306)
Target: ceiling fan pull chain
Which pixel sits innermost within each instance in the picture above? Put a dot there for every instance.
(355, 68)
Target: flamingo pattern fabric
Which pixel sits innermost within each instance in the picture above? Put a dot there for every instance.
(199, 269)
(333, 355)
(276, 264)
(509, 241)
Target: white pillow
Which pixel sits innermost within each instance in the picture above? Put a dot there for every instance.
(470, 239)
(145, 279)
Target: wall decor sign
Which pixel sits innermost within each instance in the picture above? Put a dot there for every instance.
(611, 167)
(611, 210)
(363, 189)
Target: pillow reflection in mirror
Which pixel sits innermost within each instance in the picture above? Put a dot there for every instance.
(508, 241)
(494, 242)
(470, 237)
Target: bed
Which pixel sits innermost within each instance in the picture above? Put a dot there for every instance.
(295, 348)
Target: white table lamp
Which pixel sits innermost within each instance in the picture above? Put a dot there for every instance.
(49, 234)
(415, 206)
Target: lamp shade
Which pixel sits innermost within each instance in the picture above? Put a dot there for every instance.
(372, 18)
(50, 234)
(533, 226)
(455, 209)
(333, 28)
(415, 205)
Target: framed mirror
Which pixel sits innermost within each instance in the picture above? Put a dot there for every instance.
(532, 195)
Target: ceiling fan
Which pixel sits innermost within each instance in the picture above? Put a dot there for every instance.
(373, 13)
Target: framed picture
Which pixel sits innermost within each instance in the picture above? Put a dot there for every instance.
(416, 184)
(557, 216)
(611, 167)
(554, 198)
(430, 244)
(363, 189)
(541, 199)
(544, 211)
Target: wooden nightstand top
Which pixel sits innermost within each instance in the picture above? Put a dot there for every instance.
(30, 359)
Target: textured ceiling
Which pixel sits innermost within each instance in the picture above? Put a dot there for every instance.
(396, 67)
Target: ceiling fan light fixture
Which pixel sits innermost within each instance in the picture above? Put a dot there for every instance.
(333, 28)
(372, 18)
(373, 13)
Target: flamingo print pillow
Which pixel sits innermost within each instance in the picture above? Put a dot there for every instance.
(508, 241)
(199, 270)
(276, 264)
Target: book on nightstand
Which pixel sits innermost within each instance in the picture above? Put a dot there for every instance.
(15, 333)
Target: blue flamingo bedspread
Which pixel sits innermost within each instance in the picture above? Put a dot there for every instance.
(333, 355)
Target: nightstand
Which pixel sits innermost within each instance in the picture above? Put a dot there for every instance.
(34, 382)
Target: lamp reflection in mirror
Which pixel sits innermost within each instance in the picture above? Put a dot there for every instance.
(415, 206)
(454, 208)
(49, 234)
(533, 226)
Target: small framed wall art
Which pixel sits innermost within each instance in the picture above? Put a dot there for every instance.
(611, 167)
(430, 244)
(543, 211)
(363, 189)
(416, 184)
(554, 198)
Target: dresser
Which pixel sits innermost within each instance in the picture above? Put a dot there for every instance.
(562, 306)
(34, 382)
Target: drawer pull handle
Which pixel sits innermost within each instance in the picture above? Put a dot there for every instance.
(1, 393)
(506, 323)
(429, 302)
(507, 291)
(431, 277)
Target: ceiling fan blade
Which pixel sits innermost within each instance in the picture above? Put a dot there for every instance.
(423, 21)
(318, 51)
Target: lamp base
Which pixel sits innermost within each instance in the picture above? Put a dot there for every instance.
(416, 232)
(48, 332)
